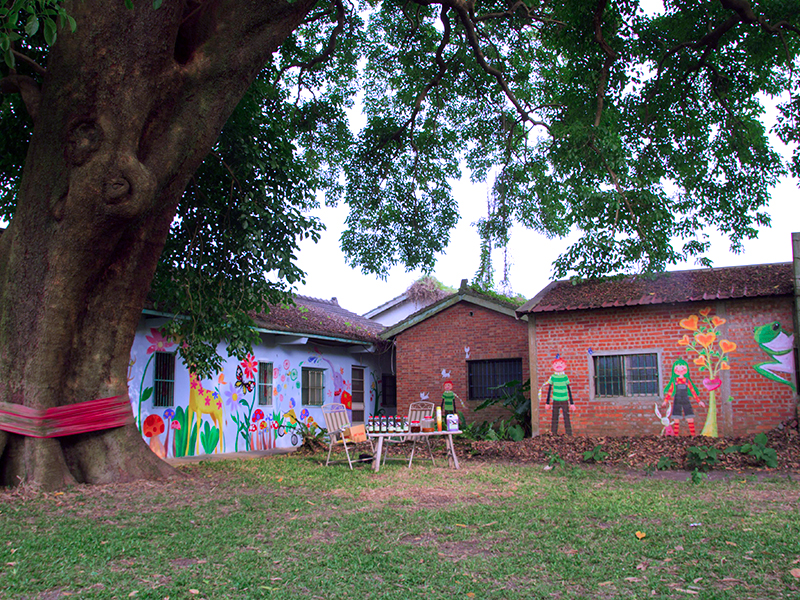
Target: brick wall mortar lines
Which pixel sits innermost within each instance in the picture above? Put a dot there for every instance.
(758, 403)
(438, 344)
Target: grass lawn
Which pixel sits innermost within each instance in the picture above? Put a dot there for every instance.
(289, 527)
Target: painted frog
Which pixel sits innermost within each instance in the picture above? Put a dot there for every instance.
(778, 343)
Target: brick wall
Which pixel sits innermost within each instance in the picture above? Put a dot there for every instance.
(757, 404)
(438, 343)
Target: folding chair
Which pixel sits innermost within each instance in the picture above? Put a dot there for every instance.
(416, 411)
(337, 422)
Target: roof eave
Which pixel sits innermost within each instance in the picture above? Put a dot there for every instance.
(433, 309)
(295, 335)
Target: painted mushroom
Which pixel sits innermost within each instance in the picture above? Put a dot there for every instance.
(168, 414)
(176, 425)
(153, 428)
(254, 437)
(262, 434)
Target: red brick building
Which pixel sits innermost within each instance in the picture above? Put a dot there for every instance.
(469, 338)
(621, 339)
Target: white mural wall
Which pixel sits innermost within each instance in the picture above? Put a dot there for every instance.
(223, 414)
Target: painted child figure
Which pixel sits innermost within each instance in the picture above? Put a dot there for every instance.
(561, 394)
(678, 390)
(449, 399)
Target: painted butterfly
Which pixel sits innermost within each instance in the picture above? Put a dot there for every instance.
(240, 382)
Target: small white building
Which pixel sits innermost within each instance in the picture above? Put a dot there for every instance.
(309, 354)
(420, 294)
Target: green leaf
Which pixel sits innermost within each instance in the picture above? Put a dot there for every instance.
(32, 25)
(157, 4)
(8, 57)
(50, 32)
(146, 394)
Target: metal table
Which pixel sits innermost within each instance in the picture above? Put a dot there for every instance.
(448, 435)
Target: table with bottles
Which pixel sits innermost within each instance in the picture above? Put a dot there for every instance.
(400, 429)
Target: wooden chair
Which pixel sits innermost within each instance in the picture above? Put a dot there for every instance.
(416, 411)
(337, 421)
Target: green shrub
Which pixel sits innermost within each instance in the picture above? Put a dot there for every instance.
(665, 463)
(758, 451)
(701, 458)
(595, 455)
(696, 477)
(515, 397)
(493, 430)
(313, 437)
(554, 460)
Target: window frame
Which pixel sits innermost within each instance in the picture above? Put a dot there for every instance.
(358, 391)
(488, 386)
(163, 387)
(306, 389)
(358, 395)
(265, 369)
(625, 355)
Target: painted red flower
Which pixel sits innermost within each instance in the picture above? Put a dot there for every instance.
(158, 342)
(250, 366)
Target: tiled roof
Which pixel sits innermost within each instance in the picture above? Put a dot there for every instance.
(312, 316)
(675, 286)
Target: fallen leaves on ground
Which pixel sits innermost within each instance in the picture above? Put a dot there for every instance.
(637, 452)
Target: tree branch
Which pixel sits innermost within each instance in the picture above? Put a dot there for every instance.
(611, 56)
(620, 191)
(329, 49)
(25, 59)
(27, 88)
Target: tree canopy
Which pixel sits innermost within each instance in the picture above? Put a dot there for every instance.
(642, 129)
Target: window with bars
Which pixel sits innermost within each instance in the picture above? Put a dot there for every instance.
(164, 379)
(313, 386)
(626, 375)
(265, 383)
(485, 376)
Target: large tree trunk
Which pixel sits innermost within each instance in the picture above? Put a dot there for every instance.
(131, 103)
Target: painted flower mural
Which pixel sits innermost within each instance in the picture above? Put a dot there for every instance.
(236, 397)
(250, 366)
(713, 352)
(158, 343)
